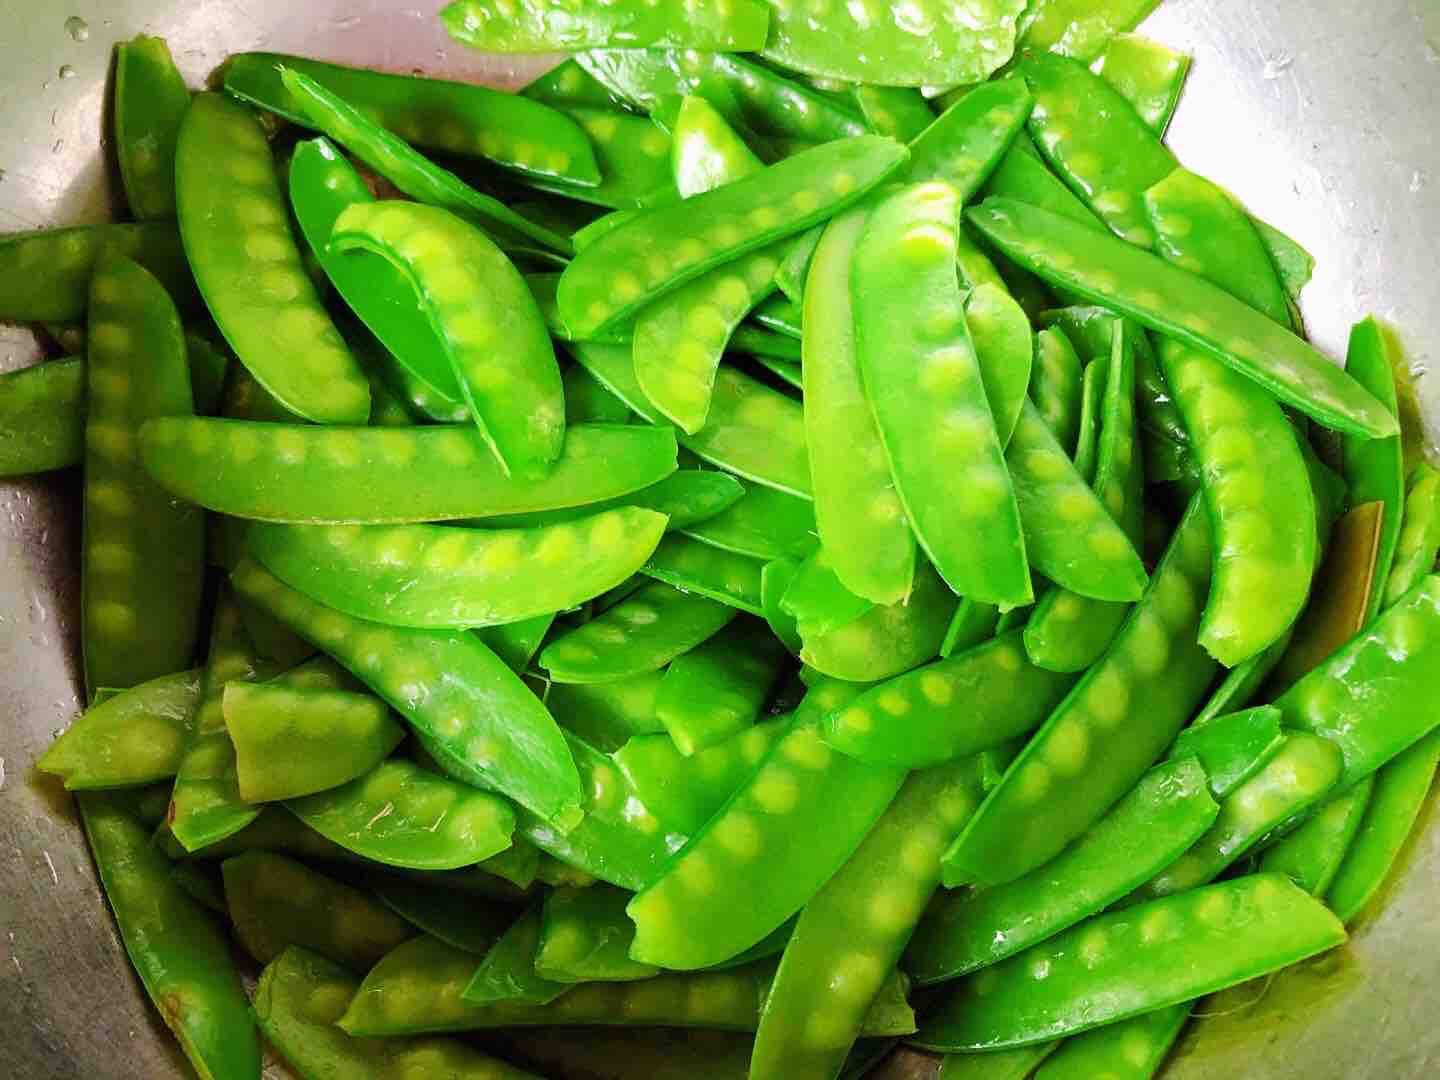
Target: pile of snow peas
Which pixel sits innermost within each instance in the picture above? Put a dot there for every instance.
(818, 529)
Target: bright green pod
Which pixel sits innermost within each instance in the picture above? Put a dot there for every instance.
(314, 475)
(717, 689)
(1129, 1050)
(150, 102)
(634, 158)
(588, 402)
(180, 953)
(399, 814)
(706, 152)
(968, 929)
(249, 268)
(1079, 28)
(872, 552)
(507, 972)
(1015, 1064)
(1183, 306)
(585, 937)
(1056, 385)
(781, 314)
(971, 701)
(1000, 332)
(455, 118)
(924, 385)
(142, 557)
(539, 26)
(300, 996)
(965, 144)
(776, 577)
(1096, 745)
(42, 417)
(517, 643)
(972, 623)
(1311, 855)
(607, 714)
(1232, 748)
(276, 902)
(664, 248)
(477, 714)
(45, 275)
(763, 524)
(1134, 961)
(135, 737)
(456, 918)
(1292, 262)
(708, 572)
(777, 813)
(900, 112)
(1147, 74)
(817, 599)
(291, 742)
(888, 639)
(569, 85)
(687, 497)
(1419, 538)
(1023, 175)
(795, 267)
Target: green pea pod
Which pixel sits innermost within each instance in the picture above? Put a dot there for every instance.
(587, 401)
(517, 643)
(507, 973)
(900, 112)
(454, 917)
(1000, 332)
(585, 937)
(974, 700)
(42, 417)
(175, 946)
(606, 715)
(1147, 74)
(963, 147)
(664, 248)
(776, 577)
(1079, 28)
(1056, 385)
(764, 524)
(1015, 1064)
(851, 933)
(45, 276)
(1311, 855)
(795, 267)
(1167, 811)
(708, 572)
(456, 118)
(275, 903)
(781, 314)
(1132, 1048)
(1093, 748)
(718, 688)
(688, 497)
(634, 157)
(136, 737)
(537, 26)
(291, 742)
(142, 558)
(272, 830)
(1293, 263)
(818, 601)
(150, 102)
(972, 623)
(706, 152)
(1232, 748)
(889, 638)
(450, 688)
(1023, 175)
(1129, 962)
(1419, 538)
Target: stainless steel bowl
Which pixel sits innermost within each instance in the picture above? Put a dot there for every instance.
(1318, 113)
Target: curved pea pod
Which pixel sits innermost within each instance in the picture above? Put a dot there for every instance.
(717, 227)
(1000, 332)
(180, 954)
(972, 623)
(776, 577)
(457, 118)
(300, 996)
(507, 973)
(1185, 307)
(291, 742)
(968, 929)
(965, 144)
(1080, 28)
(851, 933)
(453, 916)
(1129, 962)
(1147, 74)
(685, 792)
(717, 880)
(762, 524)
(706, 152)
(889, 638)
(1419, 538)
(687, 497)
(718, 688)
(1232, 748)
(924, 385)
(795, 266)
(1017, 1064)
(969, 702)
(818, 601)
(585, 937)
(1056, 385)
(477, 714)
(143, 554)
(708, 572)
(538, 26)
(136, 737)
(607, 714)
(150, 102)
(634, 157)
(1023, 175)
(1311, 854)
(276, 902)
(42, 417)
(926, 45)
(1113, 725)
(900, 112)
(247, 263)
(1131, 1048)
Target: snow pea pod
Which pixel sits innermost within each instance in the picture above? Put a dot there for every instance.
(150, 102)
(717, 689)
(45, 276)
(175, 946)
(1058, 786)
(585, 937)
(507, 973)
(1023, 175)
(776, 577)
(1293, 263)
(1133, 1048)
(900, 112)
(1000, 332)
(968, 929)
(1419, 536)
(312, 475)
(965, 144)
(871, 552)
(588, 402)
(456, 118)
(971, 624)
(538, 26)
(1147, 74)
(665, 247)
(1056, 385)
(291, 742)
(42, 417)
(453, 916)
(276, 902)
(1185, 307)
(1079, 28)
(763, 524)
(517, 643)
(888, 639)
(478, 715)
(607, 714)
(249, 268)
(1129, 962)
(924, 385)
(1232, 748)
(718, 880)
(1311, 855)
(1014, 1064)
(706, 152)
(795, 266)
(817, 599)
(408, 170)
(689, 497)
(707, 571)
(782, 315)
(634, 156)
(969, 702)
(142, 559)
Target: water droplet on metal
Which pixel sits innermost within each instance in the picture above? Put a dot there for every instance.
(77, 28)
(67, 71)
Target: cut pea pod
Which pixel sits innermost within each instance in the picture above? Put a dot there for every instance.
(1168, 810)
(659, 251)
(1000, 332)
(313, 475)
(718, 688)
(817, 599)
(1184, 306)
(1232, 748)
(1311, 855)
(973, 700)
(763, 524)
(249, 269)
(707, 572)
(606, 715)
(42, 417)
(142, 554)
(181, 955)
(1147, 74)
(507, 973)
(1093, 748)
(455, 917)
(1079, 28)
(900, 112)
(475, 712)
(539, 26)
(150, 102)
(1132, 1048)
(889, 638)
(965, 144)
(1134, 961)
(924, 385)
(706, 152)
(585, 937)
(456, 118)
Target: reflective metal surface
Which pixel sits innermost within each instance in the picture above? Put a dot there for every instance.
(1319, 114)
